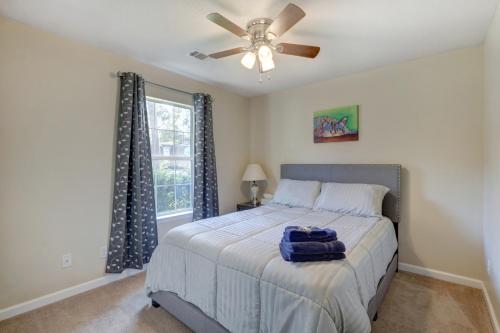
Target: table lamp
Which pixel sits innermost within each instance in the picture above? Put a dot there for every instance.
(253, 173)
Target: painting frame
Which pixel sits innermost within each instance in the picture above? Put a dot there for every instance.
(337, 124)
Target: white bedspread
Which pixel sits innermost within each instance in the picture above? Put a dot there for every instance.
(230, 267)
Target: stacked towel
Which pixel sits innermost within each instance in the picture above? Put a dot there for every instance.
(305, 234)
(301, 244)
(334, 246)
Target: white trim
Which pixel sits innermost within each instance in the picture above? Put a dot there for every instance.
(458, 279)
(168, 102)
(175, 218)
(491, 310)
(171, 158)
(36, 303)
(440, 275)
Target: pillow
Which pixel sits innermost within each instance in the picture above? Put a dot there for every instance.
(297, 193)
(353, 199)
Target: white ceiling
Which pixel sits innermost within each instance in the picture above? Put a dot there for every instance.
(354, 35)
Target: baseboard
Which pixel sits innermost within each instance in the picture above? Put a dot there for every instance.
(489, 304)
(64, 293)
(458, 279)
(440, 275)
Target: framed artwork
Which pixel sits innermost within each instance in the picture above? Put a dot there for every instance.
(338, 124)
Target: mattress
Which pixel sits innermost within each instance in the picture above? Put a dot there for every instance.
(230, 267)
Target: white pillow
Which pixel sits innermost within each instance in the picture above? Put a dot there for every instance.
(353, 199)
(297, 193)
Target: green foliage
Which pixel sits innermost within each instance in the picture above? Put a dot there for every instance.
(170, 195)
(165, 199)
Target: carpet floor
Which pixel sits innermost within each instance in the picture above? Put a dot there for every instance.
(413, 304)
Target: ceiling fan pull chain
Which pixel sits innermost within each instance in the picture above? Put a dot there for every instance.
(260, 77)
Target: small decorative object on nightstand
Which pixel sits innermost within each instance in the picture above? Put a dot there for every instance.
(246, 205)
(253, 173)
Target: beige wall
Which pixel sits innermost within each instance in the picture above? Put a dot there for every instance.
(492, 159)
(57, 127)
(427, 116)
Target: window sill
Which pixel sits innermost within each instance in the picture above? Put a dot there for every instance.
(178, 217)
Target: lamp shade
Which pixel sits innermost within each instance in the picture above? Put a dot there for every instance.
(254, 172)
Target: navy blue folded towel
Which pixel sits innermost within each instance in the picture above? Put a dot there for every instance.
(301, 244)
(309, 234)
(313, 247)
(298, 257)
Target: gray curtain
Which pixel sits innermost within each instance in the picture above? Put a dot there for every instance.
(133, 234)
(206, 199)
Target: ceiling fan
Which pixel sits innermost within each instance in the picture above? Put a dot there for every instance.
(261, 32)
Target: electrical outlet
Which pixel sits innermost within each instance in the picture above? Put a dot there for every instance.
(67, 260)
(103, 251)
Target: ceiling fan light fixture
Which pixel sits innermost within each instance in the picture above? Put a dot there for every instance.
(248, 60)
(266, 65)
(265, 53)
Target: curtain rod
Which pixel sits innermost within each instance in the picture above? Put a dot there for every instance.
(119, 74)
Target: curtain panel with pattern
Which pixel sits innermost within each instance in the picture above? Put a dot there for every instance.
(205, 193)
(133, 235)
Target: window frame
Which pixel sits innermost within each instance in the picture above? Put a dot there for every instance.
(178, 214)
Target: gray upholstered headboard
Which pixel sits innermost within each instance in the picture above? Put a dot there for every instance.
(383, 174)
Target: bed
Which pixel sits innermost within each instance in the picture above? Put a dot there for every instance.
(225, 274)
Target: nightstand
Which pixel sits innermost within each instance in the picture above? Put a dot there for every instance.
(246, 205)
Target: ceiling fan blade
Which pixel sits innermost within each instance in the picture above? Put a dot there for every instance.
(286, 19)
(228, 25)
(227, 53)
(299, 50)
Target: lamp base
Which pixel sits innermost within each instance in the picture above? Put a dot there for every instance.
(254, 189)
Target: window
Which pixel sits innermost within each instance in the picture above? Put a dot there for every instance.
(170, 132)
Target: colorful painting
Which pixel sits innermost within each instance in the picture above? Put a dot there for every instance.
(338, 124)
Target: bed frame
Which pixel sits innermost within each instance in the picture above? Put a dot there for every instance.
(383, 174)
